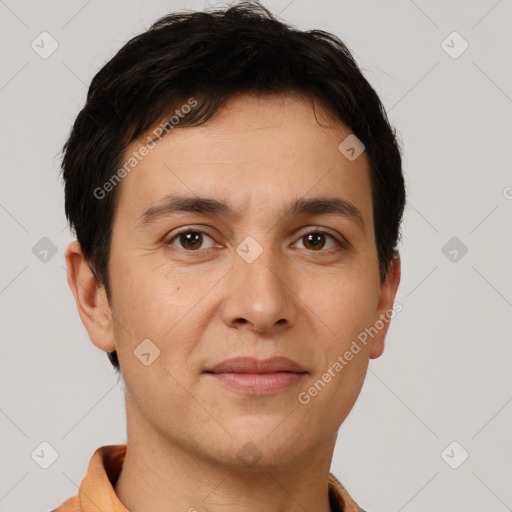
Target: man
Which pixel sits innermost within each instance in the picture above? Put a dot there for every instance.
(236, 192)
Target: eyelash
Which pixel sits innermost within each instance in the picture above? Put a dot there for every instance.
(341, 244)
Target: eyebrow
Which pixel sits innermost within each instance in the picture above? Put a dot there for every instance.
(173, 203)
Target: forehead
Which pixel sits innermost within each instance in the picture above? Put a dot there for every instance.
(256, 150)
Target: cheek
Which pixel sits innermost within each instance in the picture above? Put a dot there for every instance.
(347, 310)
(333, 390)
(345, 304)
(160, 303)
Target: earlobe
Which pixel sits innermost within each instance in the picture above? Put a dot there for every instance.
(385, 310)
(90, 298)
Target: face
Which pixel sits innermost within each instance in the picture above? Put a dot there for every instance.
(249, 236)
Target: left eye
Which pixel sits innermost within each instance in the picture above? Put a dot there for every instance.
(315, 240)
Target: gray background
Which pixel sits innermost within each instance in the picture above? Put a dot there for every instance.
(445, 374)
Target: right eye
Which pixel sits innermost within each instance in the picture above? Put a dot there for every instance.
(190, 240)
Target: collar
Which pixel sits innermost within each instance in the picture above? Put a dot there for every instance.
(96, 491)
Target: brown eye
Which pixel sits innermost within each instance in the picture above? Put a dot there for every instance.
(314, 241)
(318, 241)
(190, 240)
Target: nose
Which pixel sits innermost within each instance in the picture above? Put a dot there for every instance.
(259, 295)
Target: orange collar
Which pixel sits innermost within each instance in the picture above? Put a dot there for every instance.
(97, 488)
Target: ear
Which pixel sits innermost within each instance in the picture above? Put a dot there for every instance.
(385, 306)
(91, 299)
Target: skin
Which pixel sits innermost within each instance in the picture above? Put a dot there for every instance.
(204, 304)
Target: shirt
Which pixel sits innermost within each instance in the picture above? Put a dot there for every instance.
(97, 492)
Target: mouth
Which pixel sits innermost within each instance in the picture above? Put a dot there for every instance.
(258, 377)
(259, 383)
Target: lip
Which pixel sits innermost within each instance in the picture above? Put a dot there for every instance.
(254, 365)
(259, 377)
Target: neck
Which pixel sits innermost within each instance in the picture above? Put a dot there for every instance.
(163, 476)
